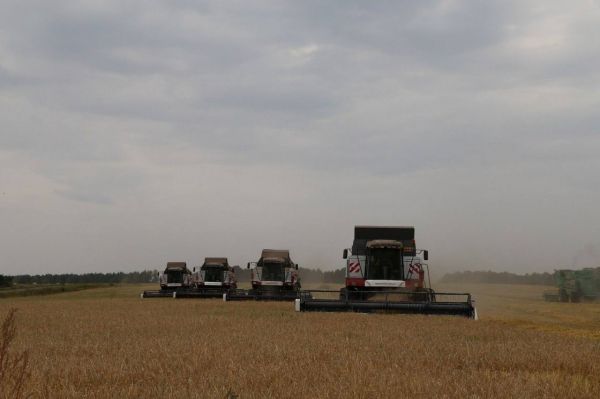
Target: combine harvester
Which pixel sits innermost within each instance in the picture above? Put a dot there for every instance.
(384, 274)
(575, 286)
(176, 277)
(213, 279)
(274, 277)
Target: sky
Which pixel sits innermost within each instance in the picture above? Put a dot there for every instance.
(137, 132)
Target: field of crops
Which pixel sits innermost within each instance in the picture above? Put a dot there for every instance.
(109, 343)
(44, 289)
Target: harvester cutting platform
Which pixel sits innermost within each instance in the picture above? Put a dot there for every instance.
(274, 277)
(384, 273)
(176, 277)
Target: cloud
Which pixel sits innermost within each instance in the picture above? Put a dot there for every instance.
(168, 124)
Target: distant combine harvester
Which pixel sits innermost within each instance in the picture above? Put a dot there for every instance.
(575, 286)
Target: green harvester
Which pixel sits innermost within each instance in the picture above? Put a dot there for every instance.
(575, 285)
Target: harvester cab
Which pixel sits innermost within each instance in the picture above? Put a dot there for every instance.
(275, 271)
(214, 274)
(385, 273)
(176, 276)
(273, 277)
(383, 259)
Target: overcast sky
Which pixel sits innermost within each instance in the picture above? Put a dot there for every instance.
(137, 132)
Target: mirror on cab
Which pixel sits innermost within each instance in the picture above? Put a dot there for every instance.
(296, 266)
(425, 255)
(345, 254)
(194, 269)
(248, 266)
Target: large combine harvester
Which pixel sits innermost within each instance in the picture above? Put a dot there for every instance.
(385, 273)
(213, 279)
(575, 286)
(274, 277)
(176, 277)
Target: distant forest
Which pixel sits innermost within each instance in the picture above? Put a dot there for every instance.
(151, 276)
(243, 275)
(145, 276)
(499, 278)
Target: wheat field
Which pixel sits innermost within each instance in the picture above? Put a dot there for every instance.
(109, 343)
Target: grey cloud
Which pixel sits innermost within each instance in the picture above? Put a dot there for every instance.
(287, 98)
(85, 196)
(345, 105)
(95, 182)
(8, 79)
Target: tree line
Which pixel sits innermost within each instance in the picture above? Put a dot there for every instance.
(243, 275)
(499, 278)
(151, 276)
(146, 276)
